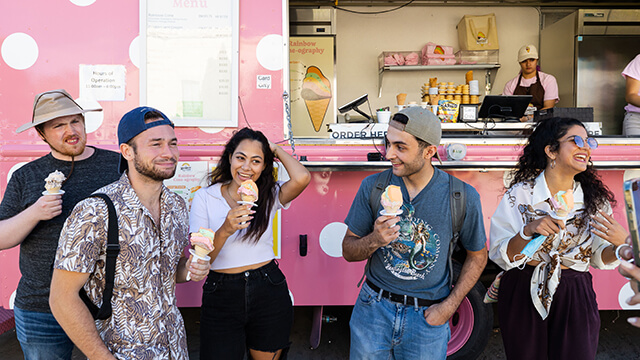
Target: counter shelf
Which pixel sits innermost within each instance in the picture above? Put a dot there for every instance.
(486, 67)
(498, 153)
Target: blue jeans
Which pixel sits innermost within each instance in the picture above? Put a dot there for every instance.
(383, 329)
(41, 337)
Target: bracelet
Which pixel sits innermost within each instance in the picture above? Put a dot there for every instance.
(616, 250)
(523, 236)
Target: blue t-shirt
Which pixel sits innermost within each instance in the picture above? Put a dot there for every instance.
(416, 263)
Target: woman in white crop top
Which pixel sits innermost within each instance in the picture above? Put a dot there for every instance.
(245, 303)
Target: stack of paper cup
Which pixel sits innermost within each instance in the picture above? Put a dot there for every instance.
(383, 116)
(433, 96)
(474, 88)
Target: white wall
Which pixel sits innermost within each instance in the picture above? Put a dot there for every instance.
(361, 38)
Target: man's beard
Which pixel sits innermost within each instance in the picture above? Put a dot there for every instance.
(70, 150)
(151, 172)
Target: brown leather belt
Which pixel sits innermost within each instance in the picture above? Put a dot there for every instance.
(402, 299)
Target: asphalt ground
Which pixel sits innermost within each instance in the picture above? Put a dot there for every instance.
(618, 339)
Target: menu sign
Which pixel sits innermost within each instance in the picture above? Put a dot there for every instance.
(189, 66)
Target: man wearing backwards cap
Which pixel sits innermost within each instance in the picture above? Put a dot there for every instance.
(530, 81)
(153, 232)
(408, 273)
(33, 220)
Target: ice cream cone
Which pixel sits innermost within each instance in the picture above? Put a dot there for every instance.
(53, 182)
(391, 199)
(248, 198)
(317, 110)
(201, 251)
(401, 98)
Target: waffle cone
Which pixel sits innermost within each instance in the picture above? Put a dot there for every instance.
(317, 110)
(391, 209)
(401, 98)
(200, 251)
(248, 198)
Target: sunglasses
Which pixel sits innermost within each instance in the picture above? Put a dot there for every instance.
(579, 141)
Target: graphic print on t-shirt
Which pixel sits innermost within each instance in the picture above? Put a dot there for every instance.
(414, 253)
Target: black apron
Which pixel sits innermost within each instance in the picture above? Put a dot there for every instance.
(535, 89)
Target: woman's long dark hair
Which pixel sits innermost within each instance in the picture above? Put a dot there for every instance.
(534, 160)
(266, 182)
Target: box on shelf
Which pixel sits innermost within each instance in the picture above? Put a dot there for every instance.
(477, 57)
(398, 58)
(438, 59)
(431, 48)
(433, 54)
(478, 32)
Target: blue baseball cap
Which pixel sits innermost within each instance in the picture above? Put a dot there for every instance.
(132, 124)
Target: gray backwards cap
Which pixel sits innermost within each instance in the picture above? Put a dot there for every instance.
(423, 124)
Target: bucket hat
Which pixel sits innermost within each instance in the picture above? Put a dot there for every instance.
(50, 105)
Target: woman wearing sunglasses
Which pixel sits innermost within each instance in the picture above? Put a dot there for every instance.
(546, 303)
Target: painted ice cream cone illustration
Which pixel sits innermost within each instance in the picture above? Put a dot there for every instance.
(53, 182)
(316, 92)
(248, 191)
(391, 199)
(562, 203)
(202, 242)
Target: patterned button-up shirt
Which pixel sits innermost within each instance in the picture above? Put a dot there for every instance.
(575, 247)
(145, 322)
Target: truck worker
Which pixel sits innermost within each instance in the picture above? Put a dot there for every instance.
(631, 124)
(542, 86)
(408, 274)
(33, 220)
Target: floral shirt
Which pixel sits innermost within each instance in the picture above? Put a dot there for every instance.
(574, 247)
(145, 322)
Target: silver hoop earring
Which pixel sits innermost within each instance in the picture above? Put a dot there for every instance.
(553, 163)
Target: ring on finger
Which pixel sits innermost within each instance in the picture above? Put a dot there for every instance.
(618, 251)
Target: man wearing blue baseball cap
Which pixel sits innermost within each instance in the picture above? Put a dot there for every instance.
(153, 232)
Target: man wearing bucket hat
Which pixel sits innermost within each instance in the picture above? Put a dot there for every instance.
(542, 86)
(153, 232)
(33, 220)
(408, 274)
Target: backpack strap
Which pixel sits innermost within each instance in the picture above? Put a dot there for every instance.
(458, 203)
(382, 180)
(113, 249)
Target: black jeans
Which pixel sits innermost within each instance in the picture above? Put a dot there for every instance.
(249, 310)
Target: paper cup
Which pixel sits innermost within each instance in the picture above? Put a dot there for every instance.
(474, 87)
(384, 116)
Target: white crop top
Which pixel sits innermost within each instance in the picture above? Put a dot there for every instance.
(209, 209)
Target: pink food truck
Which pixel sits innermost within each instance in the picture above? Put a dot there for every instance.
(216, 66)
